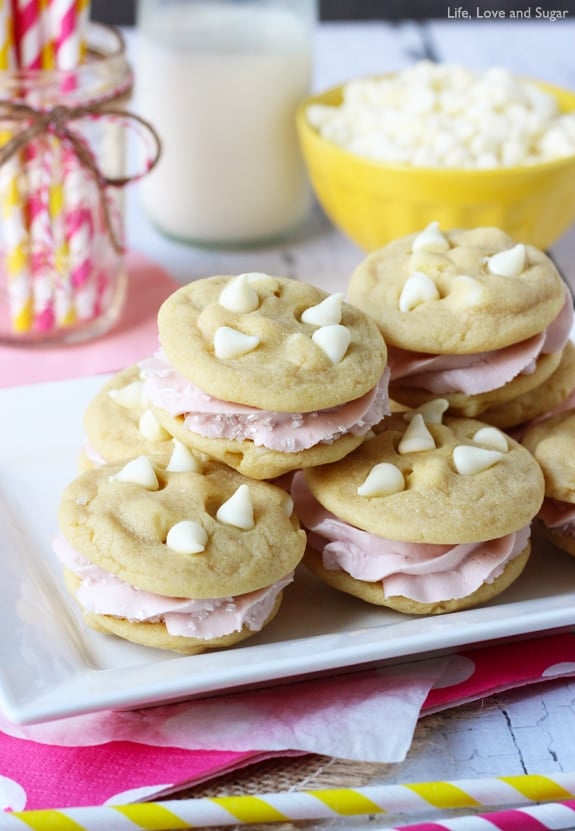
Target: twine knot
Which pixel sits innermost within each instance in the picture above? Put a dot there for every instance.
(59, 121)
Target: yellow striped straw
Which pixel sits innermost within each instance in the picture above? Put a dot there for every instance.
(293, 806)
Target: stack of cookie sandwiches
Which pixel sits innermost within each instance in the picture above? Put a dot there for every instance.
(172, 535)
(260, 436)
(473, 317)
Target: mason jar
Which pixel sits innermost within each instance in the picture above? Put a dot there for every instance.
(62, 271)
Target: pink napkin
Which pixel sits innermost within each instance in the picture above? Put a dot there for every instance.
(135, 755)
(134, 336)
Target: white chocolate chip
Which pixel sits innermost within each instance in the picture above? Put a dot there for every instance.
(418, 288)
(493, 438)
(427, 261)
(139, 471)
(324, 313)
(430, 239)
(183, 460)
(469, 290)
(509, 263)
(416, 437)
(443, 115)
(187, 537)
(238, 509)
(432, 411)
(469, 460)
(239, 296)
(150, 427)
(333, 340)
(230, 343)
(131, 396)
(382, 480)
(287, 505)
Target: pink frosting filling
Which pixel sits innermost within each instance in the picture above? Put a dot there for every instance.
(426, 573)
(92, 454)
(103, 593)
(286, 432)
(481, 371)
(557, 514)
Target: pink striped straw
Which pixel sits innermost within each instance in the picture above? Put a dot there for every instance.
(69, 18)
(33, 52)
(550, 816)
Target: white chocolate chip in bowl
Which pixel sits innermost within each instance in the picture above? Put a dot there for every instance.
(138, 471)
(430, 239)
(417, 437)
(132, 396)
(187, 537)
(325, 313)
(508, 263)
(183, 460)
(238, 295)
(383, 479)
(231, 343)
(150, 428)
(238, 509)
(469, 460)
(417, 289)
(493, 438)
(333, 340)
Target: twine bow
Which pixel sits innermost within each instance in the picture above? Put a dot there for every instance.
(57, 121)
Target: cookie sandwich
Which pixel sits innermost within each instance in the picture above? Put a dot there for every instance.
(266, 374)
(473, 317)
(119, 424)
(431, 515)
(186, 557)
(552, 443)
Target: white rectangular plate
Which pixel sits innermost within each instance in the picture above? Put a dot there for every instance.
(52, 665)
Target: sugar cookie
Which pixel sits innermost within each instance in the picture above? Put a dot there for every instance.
(118, 422)
(482, 321)
(266, 374)
(552, 443)
(174, 556)
(429, 516)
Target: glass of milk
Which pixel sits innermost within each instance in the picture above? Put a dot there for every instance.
(221, 80)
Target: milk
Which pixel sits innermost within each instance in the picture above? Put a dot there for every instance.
(221, 82)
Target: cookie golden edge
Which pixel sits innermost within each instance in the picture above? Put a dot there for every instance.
(156, 635)
(374, 593)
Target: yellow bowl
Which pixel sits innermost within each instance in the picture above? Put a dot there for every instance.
(374, 202)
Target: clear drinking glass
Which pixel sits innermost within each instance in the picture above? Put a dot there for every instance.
(221, 80)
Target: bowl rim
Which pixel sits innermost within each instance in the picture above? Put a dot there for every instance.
(306, 129)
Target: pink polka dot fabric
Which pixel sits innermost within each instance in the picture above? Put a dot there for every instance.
(35, 775)
(477, 673)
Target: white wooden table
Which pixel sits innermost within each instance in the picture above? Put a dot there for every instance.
(525, 731)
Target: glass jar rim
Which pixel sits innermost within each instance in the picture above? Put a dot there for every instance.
(104, 43)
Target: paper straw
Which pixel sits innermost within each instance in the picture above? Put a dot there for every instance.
(404, 799)
(32, 47)
(77, 296)
(14, 224)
